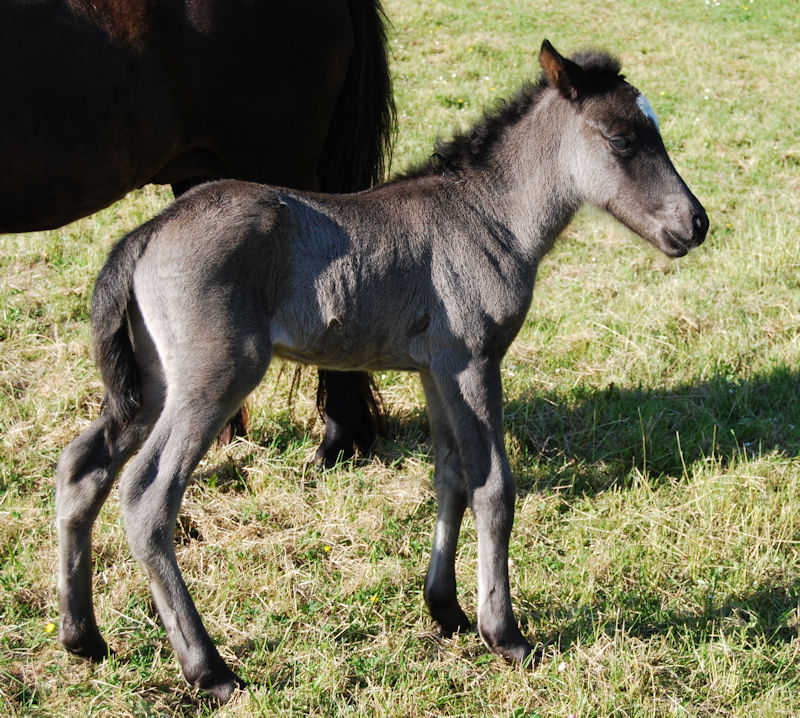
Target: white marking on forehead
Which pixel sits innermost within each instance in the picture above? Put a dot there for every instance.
(647, 109)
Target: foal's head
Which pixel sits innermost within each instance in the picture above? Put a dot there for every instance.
(617, 159)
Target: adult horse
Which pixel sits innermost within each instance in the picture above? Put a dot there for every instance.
(100, 97)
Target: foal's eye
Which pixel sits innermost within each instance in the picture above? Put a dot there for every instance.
(621, 143)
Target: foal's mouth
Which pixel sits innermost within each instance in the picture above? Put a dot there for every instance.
(674, 246)
(678, 243)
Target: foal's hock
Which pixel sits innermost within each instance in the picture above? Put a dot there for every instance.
(432, 272)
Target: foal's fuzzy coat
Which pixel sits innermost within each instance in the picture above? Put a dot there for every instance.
(433, 272)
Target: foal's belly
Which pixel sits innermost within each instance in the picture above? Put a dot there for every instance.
(338, 348)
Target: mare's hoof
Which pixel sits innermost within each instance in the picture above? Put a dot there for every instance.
(236, 426)
(329, 454)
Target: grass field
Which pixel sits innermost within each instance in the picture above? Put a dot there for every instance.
(652, 423)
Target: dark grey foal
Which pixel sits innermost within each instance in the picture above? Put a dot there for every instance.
(432, 272)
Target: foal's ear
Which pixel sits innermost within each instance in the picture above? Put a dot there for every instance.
(560, 72)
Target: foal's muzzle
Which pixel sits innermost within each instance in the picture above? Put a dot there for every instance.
(685, 234)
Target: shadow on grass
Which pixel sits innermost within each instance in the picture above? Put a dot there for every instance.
(590, 439)
(599, 435)
(759, 617)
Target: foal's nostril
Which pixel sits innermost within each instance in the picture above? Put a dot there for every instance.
(700, 225)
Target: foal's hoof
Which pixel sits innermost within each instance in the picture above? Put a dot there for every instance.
(221, 684)
(509, 642)
(453, 622)
(91, 648)
(528, 657)
(223, 691)
(520, 654)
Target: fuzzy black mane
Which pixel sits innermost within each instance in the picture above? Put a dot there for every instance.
(470, 148)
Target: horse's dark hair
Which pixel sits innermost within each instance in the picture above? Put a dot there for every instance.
(471, 147)
(356, 155)
(358, 149)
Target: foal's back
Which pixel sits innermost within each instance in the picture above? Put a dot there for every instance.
(375, 280)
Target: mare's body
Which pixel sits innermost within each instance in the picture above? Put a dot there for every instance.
(99, 98)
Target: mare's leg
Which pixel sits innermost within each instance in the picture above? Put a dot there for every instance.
(348, 417)
(151, 490)
(451, 498)
(473, 402)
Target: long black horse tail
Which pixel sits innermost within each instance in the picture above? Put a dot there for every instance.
(111, 339)
(358, 148)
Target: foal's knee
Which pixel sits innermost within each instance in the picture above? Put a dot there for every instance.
(494, 500)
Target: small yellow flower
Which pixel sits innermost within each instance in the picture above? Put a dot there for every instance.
(374, 598)
(326, 548)
(50, 627)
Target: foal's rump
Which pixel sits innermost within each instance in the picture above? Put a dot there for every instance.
(199, 281)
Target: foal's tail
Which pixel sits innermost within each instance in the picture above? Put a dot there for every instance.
(111, 339)
(358, 147)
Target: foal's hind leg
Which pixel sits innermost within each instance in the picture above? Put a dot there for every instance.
(86, 471)
(451, 498)
(151, 491)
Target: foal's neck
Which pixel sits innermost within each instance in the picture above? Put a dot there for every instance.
(525, 183)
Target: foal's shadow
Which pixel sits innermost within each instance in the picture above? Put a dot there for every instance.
(758, 616)
(582, 444)
(586, 441)
(589, 441)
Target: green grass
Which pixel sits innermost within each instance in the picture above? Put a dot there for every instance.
(652, 416)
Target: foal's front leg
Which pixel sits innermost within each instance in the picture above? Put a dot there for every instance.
(473, 404)
(451, 501)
